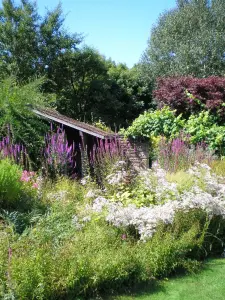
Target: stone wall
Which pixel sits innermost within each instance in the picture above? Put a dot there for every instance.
(137, 152)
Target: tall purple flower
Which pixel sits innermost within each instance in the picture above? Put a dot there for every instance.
(180, 154)
(58, 154)
(15, 152)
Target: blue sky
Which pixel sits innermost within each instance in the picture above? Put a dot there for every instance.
(116, 28)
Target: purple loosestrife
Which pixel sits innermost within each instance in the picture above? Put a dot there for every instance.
(109, 150)
(58, 154)
(179, 154)
(15, 152)
(104, 157)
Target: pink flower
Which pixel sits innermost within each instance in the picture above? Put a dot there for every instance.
(35, 185)
(124, 237)
(23, 178)
(27, 176)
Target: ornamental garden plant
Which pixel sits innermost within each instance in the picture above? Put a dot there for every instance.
(142, 229)
(64, 238)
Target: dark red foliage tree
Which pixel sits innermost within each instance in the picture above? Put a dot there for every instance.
(190, 95)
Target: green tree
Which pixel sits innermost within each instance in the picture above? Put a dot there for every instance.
(31, 45)
(16, 116)
(188, 40)
(86, 85)
(94, 88)
(133, 93)
(83, 77)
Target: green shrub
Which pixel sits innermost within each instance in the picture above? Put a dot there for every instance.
(216, 139)
(101, 125)
(197, 129)
(16, 194)
(17, 117)
(155, 123)
(93, 260)
(197, 126)
(62, 192)
(55, 260)
(183, 180)
(63, 256)
(6, 234)
(10, 184)
(203, 128)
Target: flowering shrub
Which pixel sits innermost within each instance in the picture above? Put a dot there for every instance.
(106, 158)
(19, 190)
(169, 199)
(29, 177)
(32, 184)
(134, 230)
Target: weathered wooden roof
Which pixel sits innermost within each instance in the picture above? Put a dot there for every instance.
(53, 115)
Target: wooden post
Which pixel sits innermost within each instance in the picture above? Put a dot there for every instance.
(84, 155)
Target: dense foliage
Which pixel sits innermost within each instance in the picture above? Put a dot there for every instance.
(17, 121)
(18, 188)
(87, 86)
(199, 128)
(188, 40)
(119, 225)
(155, 123)
(10, 184)
(191, 95)
(94, 88)
(32, 45)
(138, 230)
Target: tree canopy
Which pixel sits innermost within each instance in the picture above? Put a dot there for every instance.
(87, 85)
(31, 45)
(188, 40)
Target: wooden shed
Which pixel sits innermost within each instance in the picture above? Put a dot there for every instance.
(83, 134)
(87, 136)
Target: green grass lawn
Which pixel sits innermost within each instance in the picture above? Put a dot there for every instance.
(209, 284)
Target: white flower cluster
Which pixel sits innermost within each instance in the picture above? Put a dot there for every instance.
(146, 219)
(91, 194)
(76, 223)
(118, 173)
(117, 177)
(58, 196)
(155, 181)
(214, 185)
(85, 180)
(101, 203)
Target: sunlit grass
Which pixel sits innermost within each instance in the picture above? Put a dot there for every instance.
(218, 167)
(206, 285)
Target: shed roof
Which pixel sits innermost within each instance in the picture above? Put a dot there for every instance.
(53, 115)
